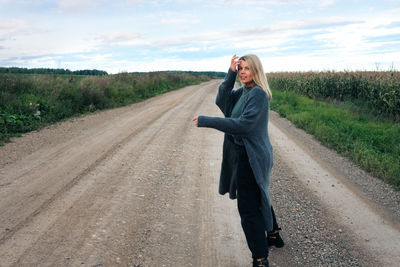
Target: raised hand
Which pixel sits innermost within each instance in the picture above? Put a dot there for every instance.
(234, 62)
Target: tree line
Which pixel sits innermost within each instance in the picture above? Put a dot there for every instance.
(93, 72)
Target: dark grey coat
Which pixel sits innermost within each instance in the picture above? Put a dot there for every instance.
(252, 127)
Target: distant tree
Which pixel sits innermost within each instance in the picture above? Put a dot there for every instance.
(51, 71)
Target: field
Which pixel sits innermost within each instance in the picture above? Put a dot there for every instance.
(375, 91)
(355, 113)
(29, 101)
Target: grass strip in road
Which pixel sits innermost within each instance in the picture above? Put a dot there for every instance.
(372, 143)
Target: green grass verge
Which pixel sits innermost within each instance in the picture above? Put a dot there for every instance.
(31, 101)
(372, 143)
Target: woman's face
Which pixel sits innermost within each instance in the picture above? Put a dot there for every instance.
(244, 72)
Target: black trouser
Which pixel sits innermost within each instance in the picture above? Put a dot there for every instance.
(274, 223)
(249, 202)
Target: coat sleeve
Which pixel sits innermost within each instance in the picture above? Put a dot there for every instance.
(242, 126)
(225, 94)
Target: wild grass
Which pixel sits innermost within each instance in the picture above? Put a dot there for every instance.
(30, 101)
(371, 142)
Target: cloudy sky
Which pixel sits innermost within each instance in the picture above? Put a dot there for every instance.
(151, 35)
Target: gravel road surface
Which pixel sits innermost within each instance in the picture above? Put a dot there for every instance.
(137, 186)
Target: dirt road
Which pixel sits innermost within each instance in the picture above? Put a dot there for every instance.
(137, 186)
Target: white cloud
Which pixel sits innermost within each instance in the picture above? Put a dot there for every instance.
(353, 39)
(76, 5)
(170, 63)
(330, 62)
(118, 37)
(260, 2)
(182, 31)
(95, 57)
(183, 49)
(326, 3)
(179, 21)
(134, 2)
(266, 37)
(13, 26)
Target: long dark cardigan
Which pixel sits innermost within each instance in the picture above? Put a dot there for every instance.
(252, 127)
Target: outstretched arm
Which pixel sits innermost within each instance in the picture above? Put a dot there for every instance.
(256, 104)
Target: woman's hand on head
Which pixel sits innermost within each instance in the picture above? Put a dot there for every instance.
(234, 62)
(196, 120)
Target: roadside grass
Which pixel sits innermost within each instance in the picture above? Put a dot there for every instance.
(31, 101)
(370, 141)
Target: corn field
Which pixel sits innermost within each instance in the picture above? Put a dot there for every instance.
(380, 90)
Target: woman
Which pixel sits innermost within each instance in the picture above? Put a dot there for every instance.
(247, 152)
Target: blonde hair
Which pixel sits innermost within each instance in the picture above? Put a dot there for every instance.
(258, 73)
